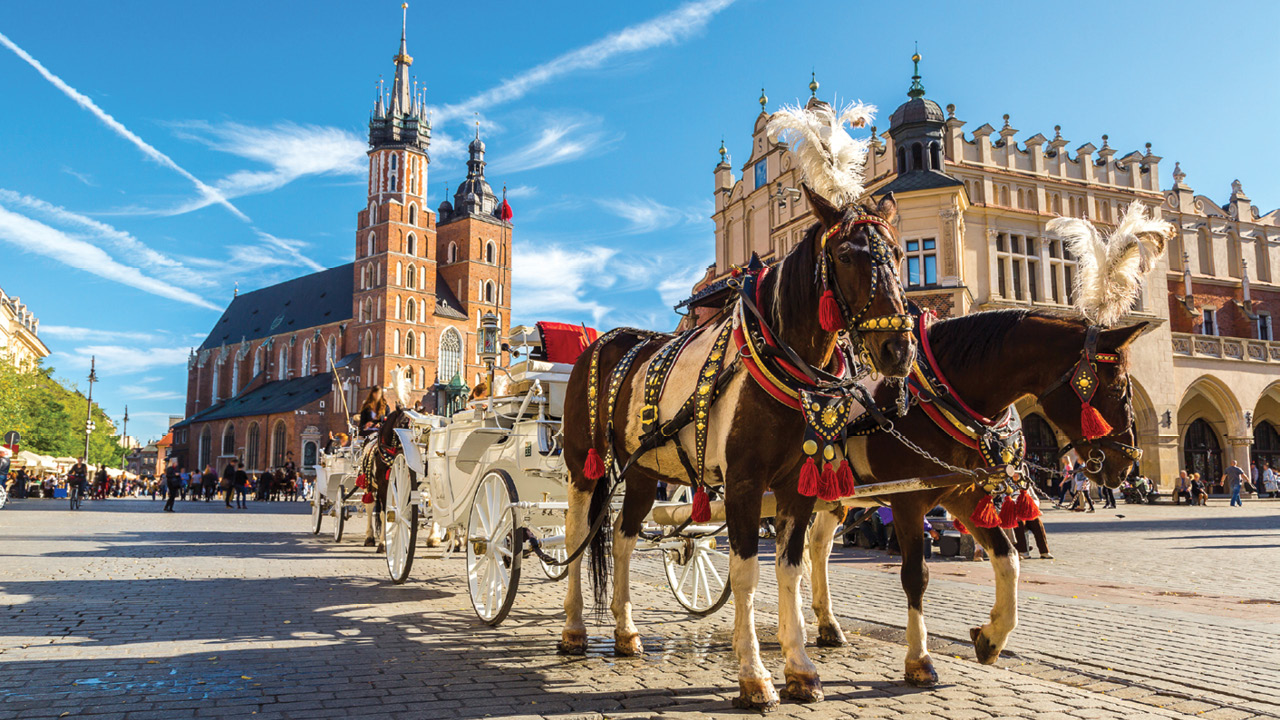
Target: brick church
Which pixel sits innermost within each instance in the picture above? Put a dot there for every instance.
(287, 364)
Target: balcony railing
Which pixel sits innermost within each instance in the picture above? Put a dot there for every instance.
(1226, 348)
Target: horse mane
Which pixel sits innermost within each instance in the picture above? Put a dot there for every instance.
(968, 340)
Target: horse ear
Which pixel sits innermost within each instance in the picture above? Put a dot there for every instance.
(887, 208)
(827, 213)
(1119, 338)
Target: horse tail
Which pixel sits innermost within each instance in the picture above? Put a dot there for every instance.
(600, 552)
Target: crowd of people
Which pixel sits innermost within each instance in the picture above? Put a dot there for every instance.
(234, 483)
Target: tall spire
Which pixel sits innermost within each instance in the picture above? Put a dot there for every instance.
(400, 90)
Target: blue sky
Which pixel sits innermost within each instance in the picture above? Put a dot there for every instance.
(172, 150)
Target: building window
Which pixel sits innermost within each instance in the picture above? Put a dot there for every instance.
(1262, 263)
(935, 156)
(409, 344)
(251, 448)
(1018, 267)
(1264, 326)
(411, 242)
(452, 255)
(413, 220)
(395, 161)
(490, 252)
(762, 173)
(229, 441)
(368, 245)
(366, 348)
(410, 310)
(282, 367)
(411, 277)
(235, 376)
(1201, 451)
(373, 213)
(1209, 322)
(332, 355)
(305, 369)
(902, 160)
(308, 454)
(257, 360)
(217, 376)
(922, 262)
(1061, 271)
(206, 448)
(449, 363)
(488, 291)
(917, 157)
(277, 445)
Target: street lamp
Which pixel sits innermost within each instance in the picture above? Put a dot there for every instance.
(124, 433)
(88, 415)
(490, 344)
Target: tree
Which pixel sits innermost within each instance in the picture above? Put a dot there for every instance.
(51, 416)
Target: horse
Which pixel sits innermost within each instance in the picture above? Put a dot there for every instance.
(746, 440)
(989, 360)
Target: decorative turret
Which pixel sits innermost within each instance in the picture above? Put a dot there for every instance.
(917, 128)
(474, 196)
(401, 123)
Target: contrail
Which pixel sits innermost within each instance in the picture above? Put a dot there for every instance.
(84, 102)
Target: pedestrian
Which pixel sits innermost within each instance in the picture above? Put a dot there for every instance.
(1108, 496)
(1182, 488)
(227, 481)
(1235, 478)
(1081, 487)
(173, 484)
(1064, 481)
(208, 482)
(1036, 528)
(241, 483)
(1199, 493)
(1270, 483)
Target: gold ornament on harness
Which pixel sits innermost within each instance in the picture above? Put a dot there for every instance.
(810, 447)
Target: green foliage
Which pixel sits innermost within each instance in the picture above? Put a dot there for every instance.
(51, 416)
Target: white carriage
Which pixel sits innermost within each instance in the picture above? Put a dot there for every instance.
(335, 493)
(493, 476)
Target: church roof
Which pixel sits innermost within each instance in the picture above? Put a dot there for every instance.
(309, 301)
(274, 397)
(447, 304)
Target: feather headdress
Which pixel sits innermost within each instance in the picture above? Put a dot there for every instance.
(1109, 271)
(403, 387)
(831, 160)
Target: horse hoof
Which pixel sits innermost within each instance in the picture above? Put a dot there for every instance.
(920, 673)
(369, 542)
(803, 689)
(756, 695)
(381, 548)
(987, 654)
(433, 543)
(572, 643)
(627, 645)
(830, 636)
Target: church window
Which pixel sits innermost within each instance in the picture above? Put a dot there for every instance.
(366, 348)
(277, 445)
(409, 344)
(490, 252)
(762, 173)
(393, 182)
(917, 156)
(399, 274)
(1205, 246)
(411, 243)
(213, 391)
(395, 161)
(410, 310)
(935, 156)
(449, 362)
(488, 291)
(922, 262)
(413, 220)
(411, 277)
(305, 369)
(235, 377)
(1262, 263)
(251, 448)
(408, 375)
(332, 355)
(368, 246)
(257, 360)
(282, 365)
(373, 214)
(229, 440)
(452, 255)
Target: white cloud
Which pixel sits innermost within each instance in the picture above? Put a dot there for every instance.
(135, 393)
(675, 26)
(560, 140)
(126, 244)
(82, 177)
(79, 334)
(677, 286)
(552, 279)
(38, 238)
(522, 191)
(289, 150)
(211, 195)
(646, 215)
(122, 359)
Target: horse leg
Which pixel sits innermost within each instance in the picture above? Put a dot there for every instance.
(821, 536)
(755, 685)
(639, 498)
(989, 639)
(368, 525)
(381, 519)
(908, 522)
(573, 639)
(794, 511)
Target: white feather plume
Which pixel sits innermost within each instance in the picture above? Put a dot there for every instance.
(832, 161)
(403, 387)
(1110, 270)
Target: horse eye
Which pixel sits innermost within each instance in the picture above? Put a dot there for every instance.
(844, 253)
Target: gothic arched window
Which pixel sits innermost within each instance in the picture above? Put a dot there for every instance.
(449, 362)
(235, 376)
(410, 310)
(251, 444)
(489, 294)
(332, 354)
(282, 367)
(490, 252)
(453, 252)
(258, 356)
(413, 220)
(229, 440)
(395, 161)
(367, 347)
(411, 277)
(277, 445)
(409, 344)
(368, 245)
(305, 369)
(411, 242)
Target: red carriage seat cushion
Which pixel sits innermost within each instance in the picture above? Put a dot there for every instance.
(564, 342)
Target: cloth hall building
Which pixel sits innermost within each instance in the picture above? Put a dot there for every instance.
(973, 206)
(287, 364)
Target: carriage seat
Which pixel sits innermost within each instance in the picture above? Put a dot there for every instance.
(554, 377)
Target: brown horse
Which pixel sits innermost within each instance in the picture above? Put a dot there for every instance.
(753, 442)
(989, 360)
(374, 462)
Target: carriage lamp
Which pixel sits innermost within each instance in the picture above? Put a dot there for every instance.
(490, 344)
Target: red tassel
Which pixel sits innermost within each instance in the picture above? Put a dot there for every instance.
(829, 487)
(829, 313)
(366, 498)
(985, 515)
(959, 526)
(809, 477)
(1092, 424)
(1009, 514)
(845, 476)
(1028, 508)
(593, 468)
(360, 481)
(701, 506)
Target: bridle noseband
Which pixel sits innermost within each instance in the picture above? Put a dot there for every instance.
(1082, 378)
(881, 257)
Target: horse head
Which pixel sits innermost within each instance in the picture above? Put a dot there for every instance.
(858, 258)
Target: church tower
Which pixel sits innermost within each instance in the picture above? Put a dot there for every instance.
(395, 266)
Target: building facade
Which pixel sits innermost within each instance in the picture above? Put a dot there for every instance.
(972, 211)
(287, 364)
(20, 343)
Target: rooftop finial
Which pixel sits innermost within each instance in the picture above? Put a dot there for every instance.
(477, 126)
(813, 83)
(764, 99)
(404, 20)
(723, 153)
(916, 90)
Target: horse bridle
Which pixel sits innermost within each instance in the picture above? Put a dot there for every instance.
(881, 257)
(1082, 378)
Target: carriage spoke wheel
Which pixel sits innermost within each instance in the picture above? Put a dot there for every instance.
(402, 520)
(317, 510)
(555, 572)
(494, 540)
(339, 514)
(699, 574)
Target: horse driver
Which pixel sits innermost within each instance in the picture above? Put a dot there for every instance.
(372, 412)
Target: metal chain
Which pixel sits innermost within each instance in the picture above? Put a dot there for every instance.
(927, 455)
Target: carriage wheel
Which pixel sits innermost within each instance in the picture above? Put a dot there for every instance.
(555, 572)
(339, 515)
(699, 574)
(402, 520)
(317, 511)
(493, 548)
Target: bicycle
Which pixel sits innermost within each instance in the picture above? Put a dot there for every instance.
(73, 494)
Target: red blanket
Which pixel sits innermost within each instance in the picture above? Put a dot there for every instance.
(564, 342)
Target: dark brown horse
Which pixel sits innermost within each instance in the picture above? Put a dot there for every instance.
(990, 360)
(753, 444)
(374, 462)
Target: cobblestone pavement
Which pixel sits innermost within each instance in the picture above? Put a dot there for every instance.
(121, 611)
